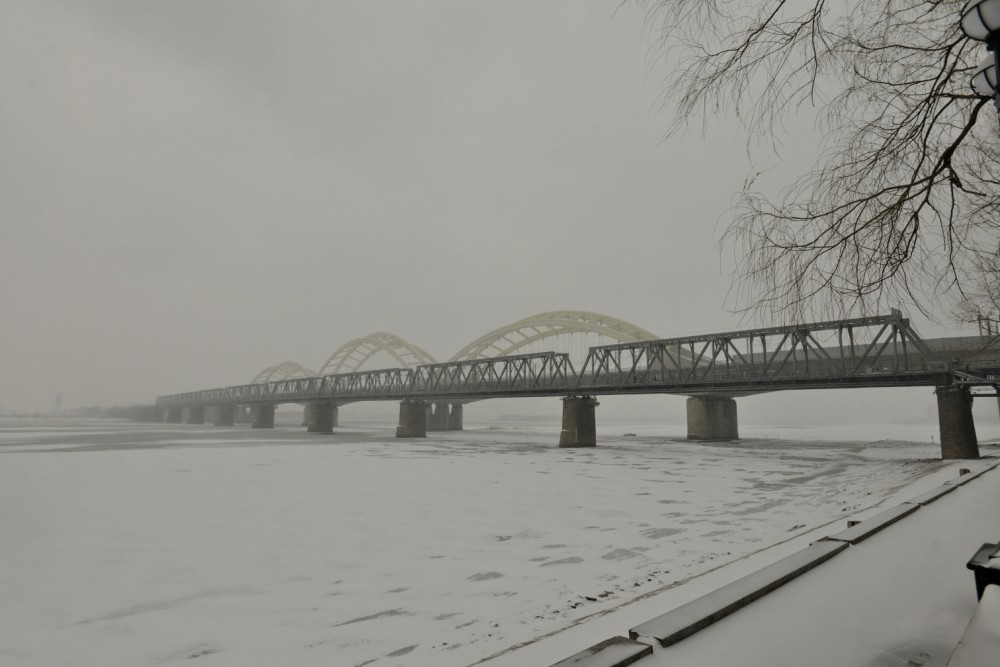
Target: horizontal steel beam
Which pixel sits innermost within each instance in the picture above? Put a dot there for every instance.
(877, 351)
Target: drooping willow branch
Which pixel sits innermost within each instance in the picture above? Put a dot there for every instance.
(902, 204)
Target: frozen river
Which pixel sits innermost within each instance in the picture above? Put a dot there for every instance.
(128, 544)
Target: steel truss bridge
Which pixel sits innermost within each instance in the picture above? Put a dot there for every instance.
(881, 351)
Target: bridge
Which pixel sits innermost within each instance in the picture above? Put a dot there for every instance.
(713, 370)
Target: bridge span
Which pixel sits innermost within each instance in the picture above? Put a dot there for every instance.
(712, 370)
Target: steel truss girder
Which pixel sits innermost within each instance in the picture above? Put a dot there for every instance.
(873, 351)
(824, 353)
(544, 373)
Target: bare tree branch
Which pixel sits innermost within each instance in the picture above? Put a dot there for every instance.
(902, 205)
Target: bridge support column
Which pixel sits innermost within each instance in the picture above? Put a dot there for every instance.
(173, 415)
(308, 412)
(438, 417)
(712, 418)
(412, 419)
(322, 417)
(263, 415)
(195, 415)
(579, 423)
(958, 430)
(455, 419)
(225, 415)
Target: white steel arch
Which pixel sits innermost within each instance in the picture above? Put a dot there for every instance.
(351, 356)
(286, 370)
(507, 340)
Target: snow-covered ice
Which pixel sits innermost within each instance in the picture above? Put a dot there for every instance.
(130, 544)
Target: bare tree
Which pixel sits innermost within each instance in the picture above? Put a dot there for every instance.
(980, 304)
(901, 206)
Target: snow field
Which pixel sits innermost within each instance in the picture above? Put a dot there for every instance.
(154, 545)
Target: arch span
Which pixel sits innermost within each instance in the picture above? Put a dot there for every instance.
(351, 356)
(511, 338)
(286, 370)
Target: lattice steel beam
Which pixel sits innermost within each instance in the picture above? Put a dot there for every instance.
(834, 353)
(520, 375)
(872, 351)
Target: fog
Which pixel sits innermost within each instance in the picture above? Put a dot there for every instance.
(192, 191)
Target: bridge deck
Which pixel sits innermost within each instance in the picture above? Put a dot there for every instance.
(879, 351)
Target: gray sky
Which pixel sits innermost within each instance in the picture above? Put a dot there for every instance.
(193, 190)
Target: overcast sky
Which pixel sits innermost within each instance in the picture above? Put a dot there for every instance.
(195, 189)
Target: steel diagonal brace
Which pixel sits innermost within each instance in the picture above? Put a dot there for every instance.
(803, 341)
(888, 339)
(606, 361)
(716, 348)
(739, 355)
(564, 369)
(520, 371)
(915, 340)
(819, 348)
(697, 359)
(868, 350)
(788, 355)
(774, 355)
(676, 362)
(638, 354)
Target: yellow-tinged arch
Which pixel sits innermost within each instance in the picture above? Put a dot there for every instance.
(286, 370)
(351, 356)
(517, 335)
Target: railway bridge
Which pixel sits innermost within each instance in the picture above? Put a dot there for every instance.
(713, 370)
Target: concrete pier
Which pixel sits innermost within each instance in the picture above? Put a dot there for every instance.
(307, 413)
(412, 419)
(195, 415)
(443, 416)
(242, 415)
(712, 418)
(455, 419)
(225, 415)
(173, 415)
(263, 415)
(958, 430)
(321, 417)
(437, 416)
(579, 424)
